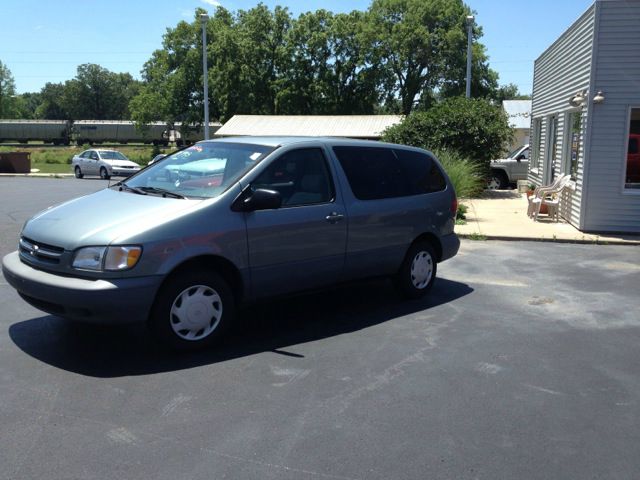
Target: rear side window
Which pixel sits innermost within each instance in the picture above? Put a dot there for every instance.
(375, 173)
(633, 145)
(423, 175)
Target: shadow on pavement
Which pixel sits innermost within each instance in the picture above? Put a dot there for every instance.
(105, 351)
(500, 194)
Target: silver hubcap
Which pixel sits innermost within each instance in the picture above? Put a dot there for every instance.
(493, 184)
(421, 269)
(196, 312)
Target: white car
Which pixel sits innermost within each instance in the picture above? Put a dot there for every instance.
(105, 163)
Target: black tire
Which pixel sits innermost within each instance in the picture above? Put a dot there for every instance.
(497, 180)
(210, 312)
(103, 174)
(415, 280)
(78, 172)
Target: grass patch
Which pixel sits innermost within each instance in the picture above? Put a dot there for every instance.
(58, 159)
(51, 167)
(467, 177)
(477, 236)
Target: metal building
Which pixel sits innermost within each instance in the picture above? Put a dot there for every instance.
(586, 117)
(350, 126)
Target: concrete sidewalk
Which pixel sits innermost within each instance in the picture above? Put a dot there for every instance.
(502, 215)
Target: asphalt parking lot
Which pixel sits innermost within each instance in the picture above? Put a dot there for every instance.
(522, 363)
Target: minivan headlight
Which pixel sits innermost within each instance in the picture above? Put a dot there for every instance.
(107, 258)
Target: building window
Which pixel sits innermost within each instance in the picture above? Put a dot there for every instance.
(632, 163)
(552, 140)
(573, 129)
(535, 157)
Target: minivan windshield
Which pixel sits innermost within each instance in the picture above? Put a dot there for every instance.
(204, 170)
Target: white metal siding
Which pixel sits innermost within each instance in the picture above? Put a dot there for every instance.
(560, 72)
(617, 74)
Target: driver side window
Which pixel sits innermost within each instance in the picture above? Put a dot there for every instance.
(300, 176)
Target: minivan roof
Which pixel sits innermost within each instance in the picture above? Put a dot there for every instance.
(282, 141)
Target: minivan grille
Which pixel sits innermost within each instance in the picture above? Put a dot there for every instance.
(40, 251)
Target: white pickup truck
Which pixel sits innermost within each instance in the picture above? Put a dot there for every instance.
(506, 171)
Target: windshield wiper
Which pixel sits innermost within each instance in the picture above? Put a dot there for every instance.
(123, 186)
(160, 191)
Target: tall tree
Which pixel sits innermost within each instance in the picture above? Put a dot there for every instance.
(52, 103)
(509, 92)
(173, 80)
(330, 71)
(417, 41)
(7, 92)
(484, 80)
(264, 57)
(98, 94)
(27, 103)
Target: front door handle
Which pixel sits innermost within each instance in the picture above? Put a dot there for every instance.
(334, 217)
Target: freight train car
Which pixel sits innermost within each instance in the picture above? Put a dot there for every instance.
(62, 132)
(48, 131)
(118, 131)
(186, 134)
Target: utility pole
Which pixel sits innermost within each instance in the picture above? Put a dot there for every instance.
(204, 18)
(469, 36)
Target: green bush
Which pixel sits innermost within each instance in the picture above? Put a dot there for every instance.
(468, 178)
(461, 214)
(472, 127)
(155, 151)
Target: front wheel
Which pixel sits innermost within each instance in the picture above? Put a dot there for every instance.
(104, 175)
(418, 271)
(192, 310)
(78, 172)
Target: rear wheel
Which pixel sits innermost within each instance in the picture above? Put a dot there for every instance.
(78, 172)
(192, 310)
(497, 180)
(104, 174)
(418, 271)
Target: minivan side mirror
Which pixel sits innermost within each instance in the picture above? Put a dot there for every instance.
(260, 199)
(521, 157)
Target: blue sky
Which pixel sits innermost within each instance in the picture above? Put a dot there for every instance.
(44, 41)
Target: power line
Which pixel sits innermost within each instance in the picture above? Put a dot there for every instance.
(56, 52)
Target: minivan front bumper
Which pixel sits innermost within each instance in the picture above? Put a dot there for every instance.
(112, 301)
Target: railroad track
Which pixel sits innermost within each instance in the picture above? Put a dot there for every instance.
(73, 145)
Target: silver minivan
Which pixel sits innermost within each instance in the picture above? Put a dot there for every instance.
(184, 242)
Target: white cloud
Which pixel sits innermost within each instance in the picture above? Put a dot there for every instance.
(186, 13)
(213, 3)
